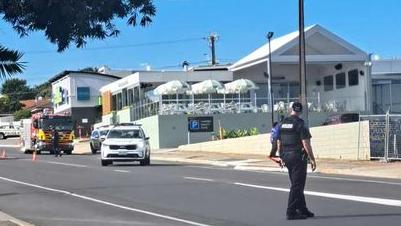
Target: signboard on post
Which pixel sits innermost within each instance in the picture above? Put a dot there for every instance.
(200, 124)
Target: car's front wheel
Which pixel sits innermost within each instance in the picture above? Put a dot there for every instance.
(106, 162)
(93, 150)
(145, 162)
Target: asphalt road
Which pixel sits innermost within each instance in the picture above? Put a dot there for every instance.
(76, 190)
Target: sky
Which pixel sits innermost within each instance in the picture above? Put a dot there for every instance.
(179, 27)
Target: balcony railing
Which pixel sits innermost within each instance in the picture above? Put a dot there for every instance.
(205, 106)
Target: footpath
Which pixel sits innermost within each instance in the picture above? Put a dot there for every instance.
(7, 220)
(378, 169)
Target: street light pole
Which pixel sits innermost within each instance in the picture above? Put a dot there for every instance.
(269, 81)
(302, 62)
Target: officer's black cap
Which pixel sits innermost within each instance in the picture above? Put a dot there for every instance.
(297, 107)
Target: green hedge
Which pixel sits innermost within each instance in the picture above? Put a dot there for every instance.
(238, 133)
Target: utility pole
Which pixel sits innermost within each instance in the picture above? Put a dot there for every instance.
(212, 38)
(302, 62)
(269, 36)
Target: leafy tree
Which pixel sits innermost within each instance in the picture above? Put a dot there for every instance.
(22, 114)
(43, 90)
(4, 104)
(10, 63)
(16, 90)
(65, 22)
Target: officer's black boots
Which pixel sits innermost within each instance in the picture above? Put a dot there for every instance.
(296, 216)
(306, 213)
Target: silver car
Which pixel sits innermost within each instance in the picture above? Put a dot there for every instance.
(97, 137)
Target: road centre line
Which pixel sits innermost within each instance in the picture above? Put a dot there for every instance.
(122, 171)
(380, 201)
(198, 178)
(66, 164)
(356, 180)
(309, 175)
(105, 202)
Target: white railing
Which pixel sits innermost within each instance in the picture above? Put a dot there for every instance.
(202, 106)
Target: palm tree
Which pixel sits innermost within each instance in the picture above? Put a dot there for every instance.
(10, 62)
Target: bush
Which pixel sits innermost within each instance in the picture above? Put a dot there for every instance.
(237, 133)
(22, 114)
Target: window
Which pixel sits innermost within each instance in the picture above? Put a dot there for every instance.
(114, 102)
(83, 93)
(119, 101)
(95, 134)
(328, 83)
(130, 97)
(124, 97)
(125, 134)
(340, 80)
(353, 78)
(136, 94)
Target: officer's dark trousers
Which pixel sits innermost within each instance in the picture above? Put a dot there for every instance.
(297, 166)
(56, 149)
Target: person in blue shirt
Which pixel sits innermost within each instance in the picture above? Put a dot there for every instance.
(274, 135)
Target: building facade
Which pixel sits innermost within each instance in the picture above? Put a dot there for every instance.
(77, 94)
(337, 75)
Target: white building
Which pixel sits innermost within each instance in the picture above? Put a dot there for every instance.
(77, 93)
(121, 97)
(336, 73)
(386, 86)
(338, 80)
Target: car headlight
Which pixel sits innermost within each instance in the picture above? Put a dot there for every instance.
(105, 145)
(141, 144)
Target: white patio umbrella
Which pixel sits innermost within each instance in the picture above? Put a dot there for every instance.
(172, 87)
(206, 87)
(240, 86)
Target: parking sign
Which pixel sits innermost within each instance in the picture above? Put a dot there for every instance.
(200, 124)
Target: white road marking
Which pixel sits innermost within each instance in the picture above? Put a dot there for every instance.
(123, 171)
(66, 164)
(242, 162)
(380, 201)
(358, 180)
(9, 146)
(309, 175)
(105, 202)
(198, 178)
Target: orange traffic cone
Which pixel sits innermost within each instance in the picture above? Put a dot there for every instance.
(34, 156)
(3, 154)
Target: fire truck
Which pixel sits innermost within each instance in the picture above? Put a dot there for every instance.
(36, 134)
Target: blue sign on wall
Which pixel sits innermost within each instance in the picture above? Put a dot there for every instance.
(83, 93)
(200, 124)
(194, 124)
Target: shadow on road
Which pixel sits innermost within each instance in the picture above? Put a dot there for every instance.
(358, 215)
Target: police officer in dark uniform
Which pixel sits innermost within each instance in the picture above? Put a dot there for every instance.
(295, 148)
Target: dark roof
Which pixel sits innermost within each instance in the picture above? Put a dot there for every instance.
(217, 67)
(65, 73)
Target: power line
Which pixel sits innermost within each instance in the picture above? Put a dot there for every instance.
(122, 46)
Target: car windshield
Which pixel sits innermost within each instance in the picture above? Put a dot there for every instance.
(103, 132)
(125, 134)
(58, 123)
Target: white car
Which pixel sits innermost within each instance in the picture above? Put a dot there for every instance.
(124, 144)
